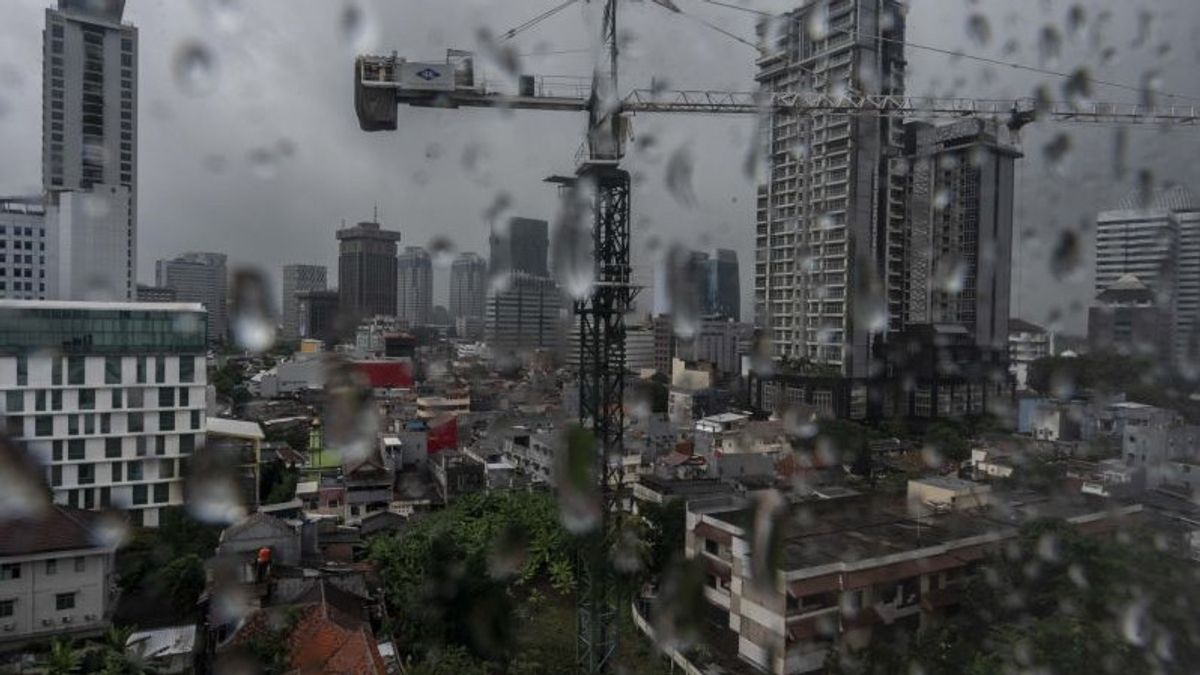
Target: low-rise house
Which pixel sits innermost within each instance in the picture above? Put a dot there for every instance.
(457, 474)
(56, 576)
(238, 444)
(169, 650)
(368, 487)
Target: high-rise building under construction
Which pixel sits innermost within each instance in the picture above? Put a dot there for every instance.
(828, 272)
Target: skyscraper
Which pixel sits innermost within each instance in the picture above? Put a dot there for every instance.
(722, 288)
(367, 270)
(829, 243)
(297, 279)
(1156, 237)
(526, 314)
(958, 248)
(468, 286)
(89, 147)
(26, 266)
(521, 247)
(414, 271)
(199, 277)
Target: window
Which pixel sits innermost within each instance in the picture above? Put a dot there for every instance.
(112, 370)
(14, 401)
(166, 468)
(72, 425)
(75, 448)
(51, 567)
(43, 425)
(195, 414)
(162, 493)
(64, 601)
(57, 450)
(116, 472)
(39, 400)
(106, 423)
(87, 399)
(187, 369)
(75, 369)
(139, 494)
(55, 475)
(10, 571)
(184, 397)
(7, 608)
(117, 396)
(160, 369)
(56, 370)
(112, 448)
(141, 369)
(160, 445)
(80, 563)
(134, 471)
(166, 420)
(166, 397)
(56, 397)
(137, 398)
(187, 444)
(87, 474)
(135, 423)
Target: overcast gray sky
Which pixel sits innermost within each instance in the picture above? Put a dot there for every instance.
(263, 157)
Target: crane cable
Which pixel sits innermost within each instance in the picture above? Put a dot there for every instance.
(972, 57)
(512, 32)
(674, 9)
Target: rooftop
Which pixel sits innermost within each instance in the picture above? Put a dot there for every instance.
(102, 306)
(850, 529)
(57, 528)
(223, 426)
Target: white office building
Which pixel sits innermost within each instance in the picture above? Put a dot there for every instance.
(89, 148)
(109, 397)
(26, 266)
(414, 275)
(1156, 238)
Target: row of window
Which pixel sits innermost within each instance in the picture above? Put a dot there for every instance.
(85, 399)
(62, 602)
(135, 422)
(114, 368)
(85, 474)
(12, 571)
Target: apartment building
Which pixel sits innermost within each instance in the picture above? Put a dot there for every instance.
(56, 576)
(110, 397)
(858, 564)
(27, 268)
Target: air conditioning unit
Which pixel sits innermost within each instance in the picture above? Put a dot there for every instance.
(47, 622)
(67, 619)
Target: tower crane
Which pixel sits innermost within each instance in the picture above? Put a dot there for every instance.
(382, 83)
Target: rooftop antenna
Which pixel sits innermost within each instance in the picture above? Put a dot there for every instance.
(375, 214)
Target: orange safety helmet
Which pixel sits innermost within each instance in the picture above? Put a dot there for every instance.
(264, 555)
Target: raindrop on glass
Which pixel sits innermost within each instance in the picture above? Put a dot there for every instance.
(195, 69)
(251, 318)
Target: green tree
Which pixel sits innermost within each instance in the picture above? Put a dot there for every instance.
(183, 579)
(949, 439)
(666, 529)
(62, 658)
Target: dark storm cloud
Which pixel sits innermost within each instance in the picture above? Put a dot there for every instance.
(261, 157)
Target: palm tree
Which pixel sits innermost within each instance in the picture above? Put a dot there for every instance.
(62, 659)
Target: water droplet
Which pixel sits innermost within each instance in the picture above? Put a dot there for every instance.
(226, 15)
(110, 529)
(1049, 45)
(950, 273)
(441, 249)
(356, 28)
(1056, 151)
(574, 266)
(1133, 623)
(679, 176)
(683, 277)
(578, 492)
(627, 551)
(350, 417)
(25, 493)
(211, 487)
(818, 22)
(1077, 89)
(510, 550)
(979, 30)
(251, 318)
(500, 54)
(767, 536)
(1076, 18)
(263, 162)
(500, 203)
(1150, 86)
(96, 205)
(1144, 30)
(1067, 256)
(680, 606)
(195, 69)
(941, 199)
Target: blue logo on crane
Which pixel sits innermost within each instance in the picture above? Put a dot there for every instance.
(428, 74)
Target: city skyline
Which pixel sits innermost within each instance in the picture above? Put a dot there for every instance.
(291, 155)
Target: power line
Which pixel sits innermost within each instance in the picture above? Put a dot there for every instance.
(512, 32)
(1015, 66)
(972, 57)
(671, 7)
